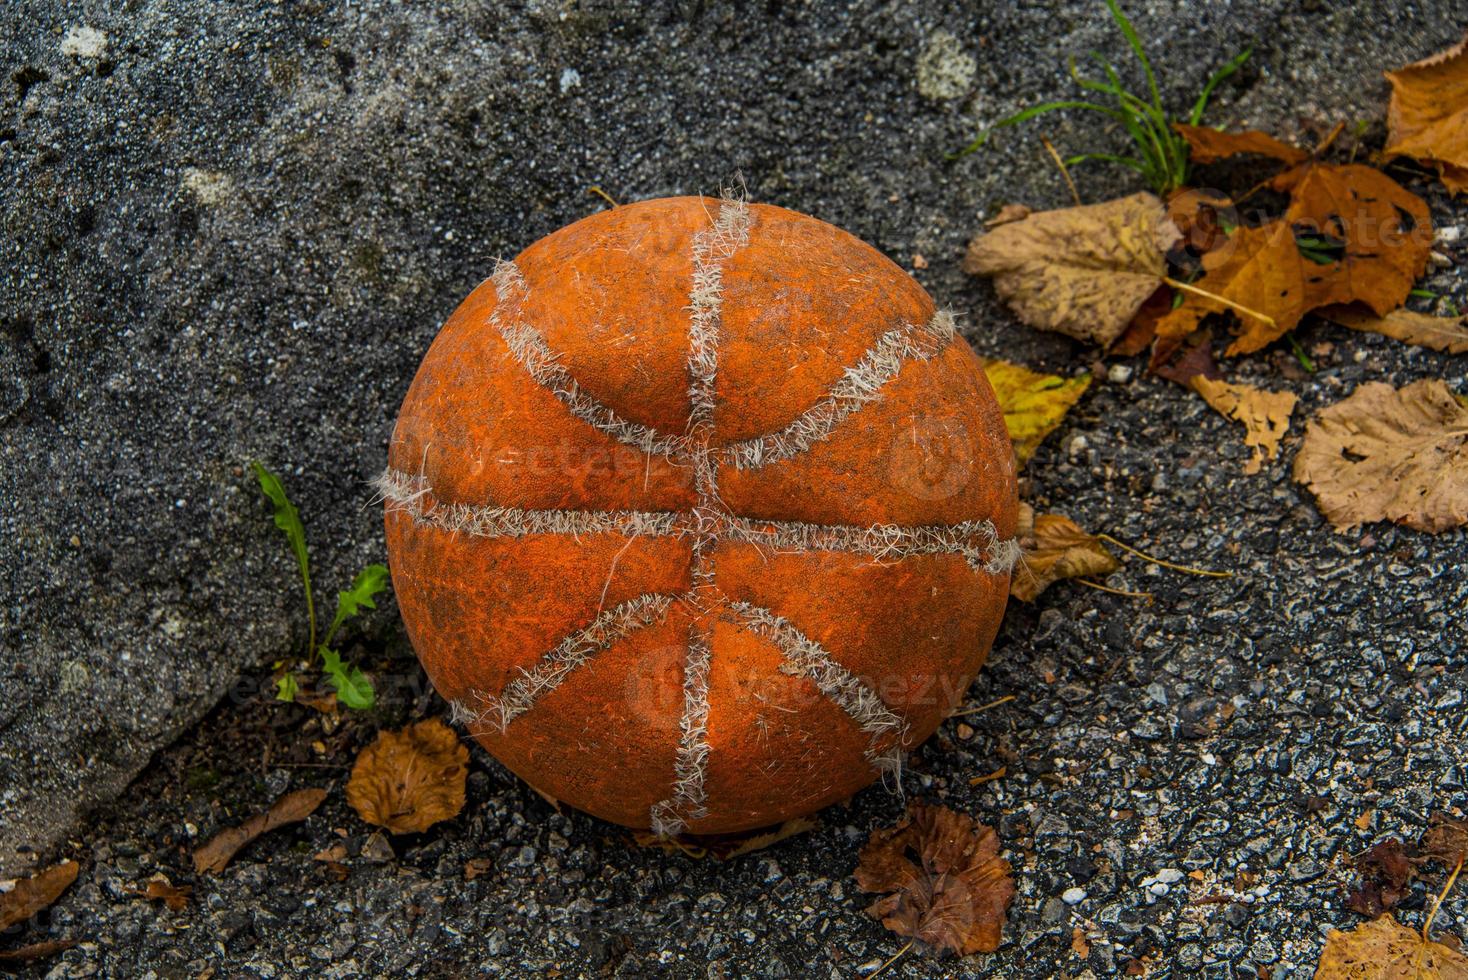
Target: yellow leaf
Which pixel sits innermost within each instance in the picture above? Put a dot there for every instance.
(1055, 548)
(1428, 116)
(1389, 454)
(1384, 949)
(1445, 333)
(1265, 414)
(1083, 271)
(1033, 403)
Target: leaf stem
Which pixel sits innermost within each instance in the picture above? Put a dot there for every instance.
(1165, 564)
(897, 956)
(1050, 148)
(1121, 592)
(1426, 926)
(1237, 308)
(983, 707)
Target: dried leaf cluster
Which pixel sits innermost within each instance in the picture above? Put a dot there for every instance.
(1347, 243)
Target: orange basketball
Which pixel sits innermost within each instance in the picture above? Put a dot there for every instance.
(700, 514)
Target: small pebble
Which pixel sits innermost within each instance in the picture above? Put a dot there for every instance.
(1119, 374)
(1073, 896)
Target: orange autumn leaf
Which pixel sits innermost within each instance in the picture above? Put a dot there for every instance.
(944, 880)
(1385, 229)
(411, 779)
(1376, 236)
(1207, 145)
(1428, 116)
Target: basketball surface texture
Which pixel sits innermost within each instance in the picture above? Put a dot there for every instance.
(700, 514)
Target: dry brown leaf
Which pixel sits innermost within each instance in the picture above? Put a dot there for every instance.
(1386, 875)
(159, 889)
(1384, 949)
(1055, 548)
(1388, 454)
(1265, 414)
(1082, 271)
(1428, 116)
(37, 951)
(1183, 360)
(36, 893)
(294, 807)
(1382, 231)
(1445, 842)
(945, 881)
(1008, 213)
(1207, 145)
(725, 847)
(1195, 213)
(1445, 333)
(1078, 943)
(409, 780)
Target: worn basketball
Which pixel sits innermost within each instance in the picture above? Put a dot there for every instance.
(700, 514)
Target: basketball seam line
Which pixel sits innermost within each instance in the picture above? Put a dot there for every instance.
(575, 649)
(806, 658)
(977, 542)
(859, 384)
(711, 247)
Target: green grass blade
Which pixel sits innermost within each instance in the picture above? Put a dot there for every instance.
(288, 519)
(1234, 65)
(1031, 113)
(1136, 43)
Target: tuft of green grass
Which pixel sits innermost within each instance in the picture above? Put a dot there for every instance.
(1159, 154)
(353, 687)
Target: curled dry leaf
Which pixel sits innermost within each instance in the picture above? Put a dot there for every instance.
(1428, 116)
(1033, 403)
(1376, 234)
(1207, 145)
(291, 808)
(1082, 271)
(726, 847)
(1389, 455)
(1055, 548)
(1384, 949)
(409, 780)
(945, 881)
(36, 893)
(1448, 334)
(37, 951)
(1265, 414)
(1008, 213)
(159, 889)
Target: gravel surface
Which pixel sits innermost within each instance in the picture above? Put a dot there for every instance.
(232, 231)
